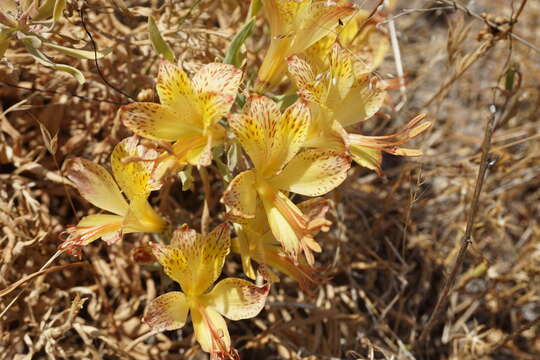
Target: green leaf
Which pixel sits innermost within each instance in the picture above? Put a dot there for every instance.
(232, 56)
(158, 42)
(254, 8)
(81, 54)
(29, 42)
(5, 37)
(285, 101)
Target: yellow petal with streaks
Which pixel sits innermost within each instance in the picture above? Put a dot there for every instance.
(240, 196)
(218, 78)
(132, 165)
(195, 262)
(313, 172)
(159, 122)
(96, 185)
(237, 299)
(211, 331)
(167, 312)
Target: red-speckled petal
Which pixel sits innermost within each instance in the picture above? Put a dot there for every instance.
(251, 136)
(310, 87)
(218, 78)
(96, 185)
(241, 197)
(167, 312)
(237, 299)
(290, 135)
(195, 261)
(174, 87)
(158, 122)
(313, 172)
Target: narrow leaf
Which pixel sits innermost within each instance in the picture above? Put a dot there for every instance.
(44, 60)
(81, 54)
(233, 52)
(158, 42)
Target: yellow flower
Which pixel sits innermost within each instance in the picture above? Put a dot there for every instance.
(367, 44)
(339, 98)
(189, 111)
(97, 186)
(195, 262)
(273, 141)
(256, 242)
(294, 26)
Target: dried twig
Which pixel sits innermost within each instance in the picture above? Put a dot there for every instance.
(468, 236)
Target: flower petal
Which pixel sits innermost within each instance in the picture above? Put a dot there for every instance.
(90, 228)
(250, 134)
(195, 262)
(167, 312)
(367, 98)
(240, 196)
(213, 106)
(313, 172)
(285, 220)
(341, 68)
(142, 218)
(237, 299)
(174, 88)
(211, 331)
(96, 185)
(159, 122)
(218, 78)
(132, 166)
(310, 87)
(320, 20)
(367, 157)
(289, 136)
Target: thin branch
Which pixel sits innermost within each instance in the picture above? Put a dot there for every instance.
(46, 91)
(81, 11)
(467, 237)
(469, 12)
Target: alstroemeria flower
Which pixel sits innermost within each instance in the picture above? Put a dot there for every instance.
(294, 26)
(340, 99)
(255, 241)
(95, 183)
(273, 141)
(367, 44)
(195, 262)
(189, 111)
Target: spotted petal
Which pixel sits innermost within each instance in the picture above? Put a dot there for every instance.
(241, 197)
(237, 299)
(174, 88)
(313, 172)
(195, 262)
(132, 167)
(218, 78)
(366, 98)
(96, 185)
(167, 312)
(159, 122)
(286, 221)
(321, 19)
(211, 331)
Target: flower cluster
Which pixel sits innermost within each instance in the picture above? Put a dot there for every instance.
(323, 53)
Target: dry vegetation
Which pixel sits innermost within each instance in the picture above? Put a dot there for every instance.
(394, 241)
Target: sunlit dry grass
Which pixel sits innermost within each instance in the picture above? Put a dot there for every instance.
(394, 238)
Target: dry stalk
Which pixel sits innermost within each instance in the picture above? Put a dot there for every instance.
(468, 236)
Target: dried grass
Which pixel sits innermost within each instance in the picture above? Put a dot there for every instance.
(394, 240)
